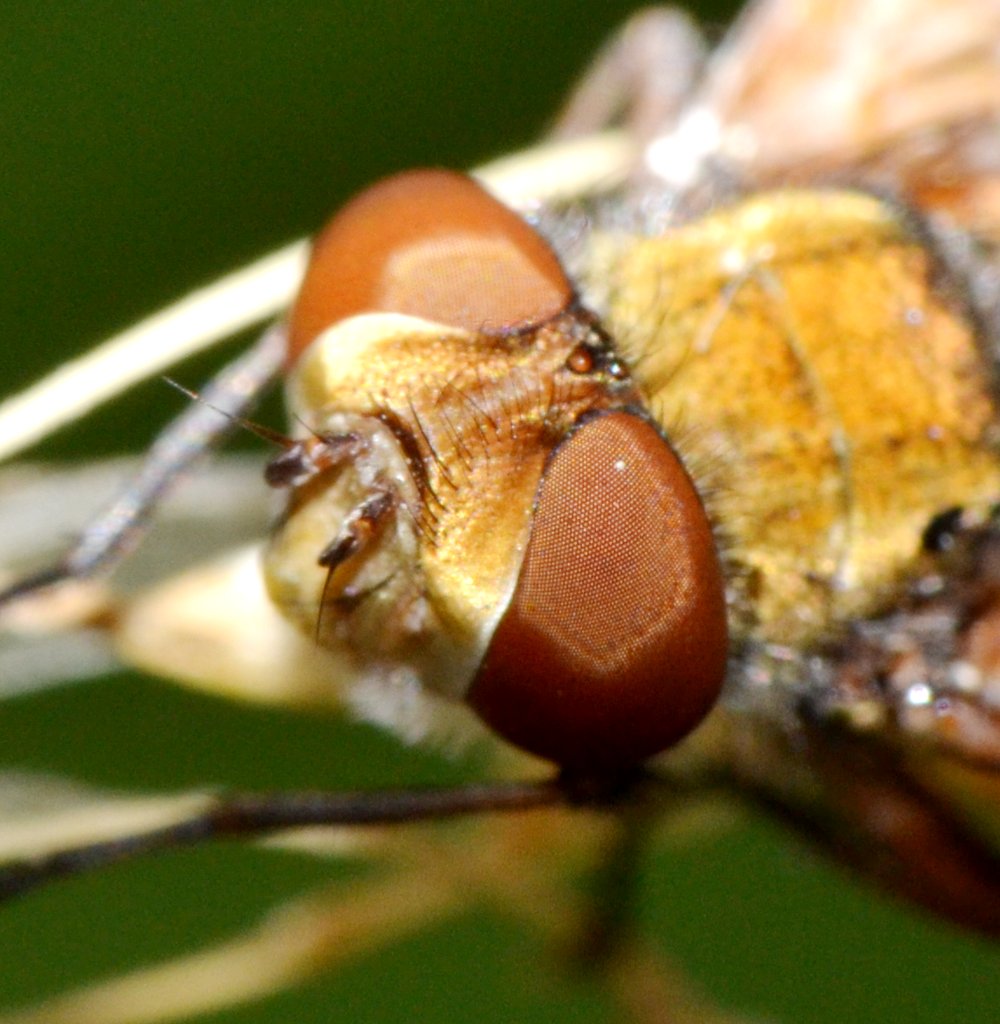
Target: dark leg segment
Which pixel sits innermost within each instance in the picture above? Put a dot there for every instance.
(201, 426)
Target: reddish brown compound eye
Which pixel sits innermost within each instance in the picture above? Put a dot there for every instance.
(432, 244)
(614, 644)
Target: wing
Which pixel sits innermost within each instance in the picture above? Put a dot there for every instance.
(903, 94)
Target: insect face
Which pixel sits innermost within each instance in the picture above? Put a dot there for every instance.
(513, 530)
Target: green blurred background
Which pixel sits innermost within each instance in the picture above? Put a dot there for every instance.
(145, 147)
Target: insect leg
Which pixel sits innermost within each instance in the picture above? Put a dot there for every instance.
(646, 71)
(610, 916)
(200, 427)
(251, 814)
(360, 528)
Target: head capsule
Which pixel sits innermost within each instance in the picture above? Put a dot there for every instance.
(565, 576)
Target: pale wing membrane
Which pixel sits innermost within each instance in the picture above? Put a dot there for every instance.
(516, 865)
(899, 93)
(214, 628)
(314, 934)
(322, 932)
(220, 505)
(517, 861)
(41, 815)
(35, 663)
(65, 634)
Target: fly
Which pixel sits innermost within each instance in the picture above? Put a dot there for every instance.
(768, 335)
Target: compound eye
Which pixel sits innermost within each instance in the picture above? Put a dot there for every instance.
(432, 244)
(614, 644)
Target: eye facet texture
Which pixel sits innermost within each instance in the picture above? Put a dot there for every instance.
(614, 643)
(433, 244)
